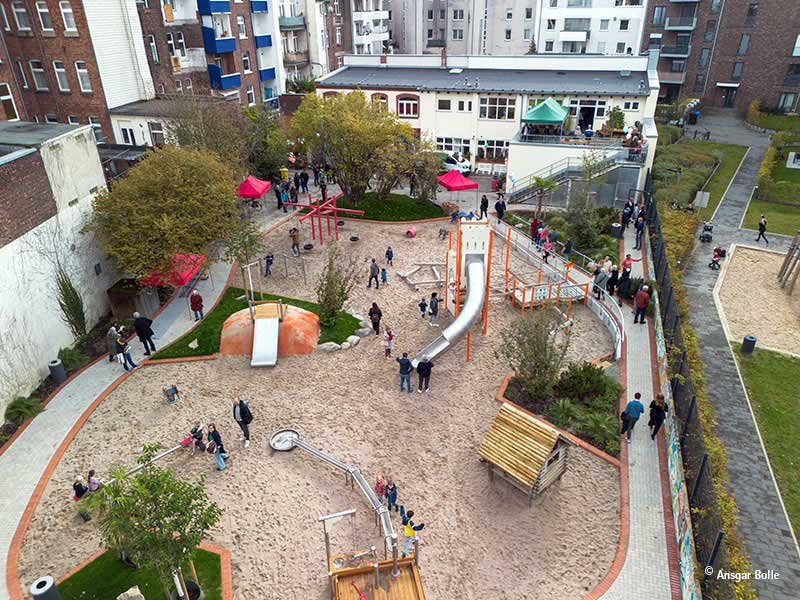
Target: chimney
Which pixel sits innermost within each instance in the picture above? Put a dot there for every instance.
(444, 57)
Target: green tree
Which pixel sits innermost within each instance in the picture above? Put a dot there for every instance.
(616, 118)
(337, 279)
(266, 141)
(352, 134)
(543, 185)
(70, 303)
(175, 201)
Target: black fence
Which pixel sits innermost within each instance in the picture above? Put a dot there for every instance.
(697, 465)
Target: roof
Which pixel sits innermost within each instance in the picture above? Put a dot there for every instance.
(548, 112)
(31, 135)
(162, 106)
(606, 83)
(519, 444)
(455, 181)
(253, 187)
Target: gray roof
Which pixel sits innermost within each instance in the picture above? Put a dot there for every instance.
(605, 83)
(24, 134)
(162, 106)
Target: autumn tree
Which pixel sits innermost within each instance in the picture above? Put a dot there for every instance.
(266, 142)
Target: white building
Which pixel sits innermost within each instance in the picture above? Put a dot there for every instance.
(475, 104)
(303, 38)
(49, 175)
(370, 22)
(590, 26)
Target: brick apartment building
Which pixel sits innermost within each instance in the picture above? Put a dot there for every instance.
(338, 25)
(728, 51)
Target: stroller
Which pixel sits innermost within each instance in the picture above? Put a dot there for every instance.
(708, 227)
(715, 258)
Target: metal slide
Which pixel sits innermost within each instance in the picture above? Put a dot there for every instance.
(266, 321)
(476, 295)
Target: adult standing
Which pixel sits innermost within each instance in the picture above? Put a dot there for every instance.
(143, 330)
(304, 181)
(412, 185)
(433, 310)
(294, 235)
(642, 301)
(220, 456)
(639, 226)
(111, 341)
(600, 278)
(623, 286)
(612, 281)
(196, 304)
(484, 207)
(316, 175)
(631, 414)
(374, 271)
(762, 229)
(276, 188)
(500, 208)
(375, 316)
(658, 412)
(243, 418)
(424, 371)
(296, 180)
(405, 371)
(627, 262)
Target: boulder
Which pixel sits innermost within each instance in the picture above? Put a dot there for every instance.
(132, 594)
(345, 345)
(353, 340)
(357, 317)
(364, 331)
(366, 324)
(329, 347)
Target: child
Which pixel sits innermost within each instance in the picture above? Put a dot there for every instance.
(391, 495)
(714, 264)
(384, 277)
(380, 488)
(423, 308)
(268, 262)
(389, 256)
(389, 341)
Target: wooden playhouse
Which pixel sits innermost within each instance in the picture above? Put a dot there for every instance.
(525, 451)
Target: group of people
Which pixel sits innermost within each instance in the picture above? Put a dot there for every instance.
(635, 215)
(608, 279)
(243, 417)
(386, 490)
(93, 483)
(544, 238)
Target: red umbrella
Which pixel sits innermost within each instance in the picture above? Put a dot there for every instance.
(453, 181)
(252, 187)
(183, 269)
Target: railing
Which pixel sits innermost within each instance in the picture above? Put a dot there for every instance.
(680, 23)
(295, 58)
(298, 22)
(571, 140)
(677, 51)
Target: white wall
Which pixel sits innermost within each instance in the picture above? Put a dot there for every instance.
(119, 49)
(139, 126)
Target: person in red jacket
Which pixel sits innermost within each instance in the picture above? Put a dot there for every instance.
(196, 302)
(642, 301)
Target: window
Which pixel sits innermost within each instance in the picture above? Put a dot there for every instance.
(620, 47)
(509, 14)
(752, 11)
(458, 34)
(736, 73)
(526, 35)
(156, 132)
(430, 34)
(161, 89)
(7, 101)
(705, 54)
(577, 24)
(4, 18)
(44, 16)
(708, 34)
(381, 100)
(22, 76)
(408, 106)
(659, 15)
(623, 24)
(179, 86)
(528, 14)
(443, 104)
(744, 43)
(508, 35)
(447, 144)
(601, 47)
(68, 16)
(246, 62)
(716, 5)
(551, 24)
(430, 14)
(336, 9)
(796, 51)
(497, 108)
(242, 27)
(188, 85)
(21, 16)
(181, 44)
(458, 15)
(73, 120)
(579, 3)
(171, 44)
(251, 96)
(441, 34)
(128, 136)
(492, 149)
(548, 46)
(630, 105)
(573, 47)
(604, 24)
(678, 66)
(37, 70)
(151, 42)
(553, 3)
(442, 14)
(51, 118)
(786, 103)
(83, 76)
(464, 106)
(61, 76)
(338, 36)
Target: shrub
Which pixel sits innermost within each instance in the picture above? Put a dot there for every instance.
(767, 166)
(601, 429)
(615, 118)
(754, 114)
(563, 413)
(71, 304)
(668, 134)
(72, 359)
(20, 410)
(581, 381)
(336, 281)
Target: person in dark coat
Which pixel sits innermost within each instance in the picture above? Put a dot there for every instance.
(296, 180)
(500, 209)
(220, 456)
(304, 182)
(374, 271)
(405, 371)
(142, 326)
(196, 304)
(484, 207)
(424, 371)
(623, 285)
(600, 278)
(111, 341)
(433, 310)
(124, 354)
(243, 418)
(375, 316)
(612, 281)
(658, 412)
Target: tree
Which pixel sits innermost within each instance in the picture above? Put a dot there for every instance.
(534, 352)
(532, 47)
(244, 243)
(426, 165)
(337, 279)
(266, 142)
(157, 519)
(405, 157)
(70, 303)
(175, 201)
(581, 215)
(616, 118)
(351, 134)
(543, 185)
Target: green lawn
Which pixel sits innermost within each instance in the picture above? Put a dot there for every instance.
(731, 157)
(779, 122)
(106, 578)
(771, 381)
(781, 218)
(398, 207)
(781, 171)
(208, 331)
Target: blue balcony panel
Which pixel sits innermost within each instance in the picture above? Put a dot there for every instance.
(215, 45)
(258, 6)
(223, 82)
(213, 7)
(266, 74)
(263, 41)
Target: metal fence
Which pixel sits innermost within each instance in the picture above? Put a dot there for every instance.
(697, 465)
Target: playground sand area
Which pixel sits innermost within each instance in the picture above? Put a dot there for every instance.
(755, 304)
(481, 539)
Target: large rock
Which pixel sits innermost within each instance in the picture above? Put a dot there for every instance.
(329, 347)
(357, 316)
(366, 324)
(132, 594)
(353, 340)
(364, 331)
(345, 345)
(297, 334)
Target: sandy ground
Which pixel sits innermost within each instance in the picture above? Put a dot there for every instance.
(481, 539)
(755, 304)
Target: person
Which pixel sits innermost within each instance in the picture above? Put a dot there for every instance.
(658, 412)
(410, 528)
(627, 212)
(124, 354)
(607, 264)
(284, 196)
(79, 488)
(612, 281)
(567, 248)
(484, 207)
(374, 271)
(142, 326)
(412, 185)
(95, 483)
(424, 371)
(500, 208)
(220, 456)
(405, 371)
(714, 264)
(296, 180)
(535, 224)
(639, 226)
(642, 301)
(380, 488)
(388, 338)
(111, 341)
(631, 414)
(423, 308)
(762, 228)
(471, 216)
(600, 279)
(243, 418)
(293, 196)
(433, 310)
(268, 260)
(627, 262)
(384, 276)
(196, 434)
(304, 181)
(294, 235)
(544, 233)
(316, 175)
(547, 247)
(276, 186)
(375, 316)
(391, 494)
(196, 304)
(623, 285)
(389, 256)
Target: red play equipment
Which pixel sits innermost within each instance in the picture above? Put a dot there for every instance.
(324, 206)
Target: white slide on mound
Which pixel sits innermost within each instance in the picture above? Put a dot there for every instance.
(476, 295)
(265, 335)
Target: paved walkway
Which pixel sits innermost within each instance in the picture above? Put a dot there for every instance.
(24, 462)
(763, 526)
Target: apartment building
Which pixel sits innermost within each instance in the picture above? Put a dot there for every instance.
(370, 26)
(338, 32)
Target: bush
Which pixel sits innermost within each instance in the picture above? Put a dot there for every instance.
(72, 359)
(563, 413)
(20, 410)
(71, 304)
(668, 134)
(600, 429)
(754, 114)
(336, 281)
(581, 381)
(767, 166)
(615, 118)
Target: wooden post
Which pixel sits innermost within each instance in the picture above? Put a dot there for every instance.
(194, 571)
(508, 252)
(458, 274)
(586, 294)
(488, 285)
(539, 276)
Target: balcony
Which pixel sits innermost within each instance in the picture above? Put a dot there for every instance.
(266, 74)
(792, 81)
(217, 45)
(436, 43)
(632, 2)
(263, 41)
(671, 77)
(300, 57)
(680, 23)
(676, 51)
(258, 6)
(213, 7)
(289, 23)
(195, 60)
(220, 81)
(573, 36)
(371, 15)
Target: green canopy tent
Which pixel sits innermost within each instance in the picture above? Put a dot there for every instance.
(549, 113)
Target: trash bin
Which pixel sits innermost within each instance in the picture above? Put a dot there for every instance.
(616, 231)
(694, 116)
(495, 183)
(57, 371)
(45, 588)
(748, 344)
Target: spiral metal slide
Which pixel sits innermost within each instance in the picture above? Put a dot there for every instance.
(476, 295)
